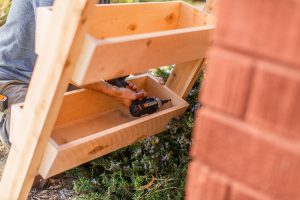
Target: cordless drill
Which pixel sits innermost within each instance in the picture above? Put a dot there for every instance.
(142, 106)
(146, 105)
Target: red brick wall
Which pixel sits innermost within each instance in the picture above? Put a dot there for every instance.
(246, 141)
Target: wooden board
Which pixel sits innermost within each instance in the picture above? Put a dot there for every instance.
(127, 19)
(111, 57)
(211, 6)
(115, 57)
(106, 126)
(183, 77)
(48, 84)
(138, 37)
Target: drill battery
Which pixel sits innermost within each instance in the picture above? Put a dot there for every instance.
(3, 103)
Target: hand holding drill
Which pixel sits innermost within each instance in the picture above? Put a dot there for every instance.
(142, 105)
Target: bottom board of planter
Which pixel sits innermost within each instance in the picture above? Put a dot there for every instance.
(91, 125)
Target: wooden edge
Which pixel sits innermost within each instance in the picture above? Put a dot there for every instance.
(211, 6)
(99, 144)
(153, 35)
(183, 77)
(43, 21)
(83, 61)
(15, 120)
(144, 55)
(49, 157)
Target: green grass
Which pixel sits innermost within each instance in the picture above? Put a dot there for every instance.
(154, 168)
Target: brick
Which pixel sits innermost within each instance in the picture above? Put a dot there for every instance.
(227, 82)
(265, 28)
(275, 100)
(247, 154)
(204, 185)
(242, 192)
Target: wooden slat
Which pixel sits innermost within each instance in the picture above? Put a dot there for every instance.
(48, 84)
(211, 6)
(191, 16)
(115, 57)
(43, 20)
(127, 19)
(15, 120)
(97, 134)
(183, 77)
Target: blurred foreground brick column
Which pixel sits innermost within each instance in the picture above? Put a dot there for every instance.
(246, 140)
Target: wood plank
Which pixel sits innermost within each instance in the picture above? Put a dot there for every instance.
(211, 6)
(128, 19)
(48, 84)
(115, 57)
(43, 21)
(191, 16)
(183, 77)
(82, 140)
(15, 119)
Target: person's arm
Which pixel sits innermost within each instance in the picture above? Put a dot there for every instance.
(123, 95)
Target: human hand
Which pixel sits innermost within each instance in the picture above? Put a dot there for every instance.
(125, 96)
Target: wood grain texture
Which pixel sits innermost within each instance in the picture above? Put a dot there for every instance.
(211, 6)
(88, 136)
(128, 19)
(15, 119)
(43, 21)
(183, 77)
(121, 56)
(48, 84)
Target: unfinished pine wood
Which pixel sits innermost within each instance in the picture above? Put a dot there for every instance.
(183, 77)
(123, 19)
(118, 56)
(115, 57)
(43, 20)
(48, 84)
(191, 16)
(211, 6)
(15, 117)
(137, 37)
(80, 136)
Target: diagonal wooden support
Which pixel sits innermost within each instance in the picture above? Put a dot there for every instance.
(50, 79)
(183, 77)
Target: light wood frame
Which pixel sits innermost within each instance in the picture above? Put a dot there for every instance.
(59, 54)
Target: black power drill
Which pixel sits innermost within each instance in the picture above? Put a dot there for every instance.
(146, 105)
(143, 106)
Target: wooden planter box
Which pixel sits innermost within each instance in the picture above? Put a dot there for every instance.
(91, 125)
(126, 39)
(121, 39)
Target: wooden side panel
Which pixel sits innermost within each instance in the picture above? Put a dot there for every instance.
(191, 16)
(127, 19)
(43, 21)
(48, 84)
(88, 148)
(80, 141)
(136, 54)
(211, 6)
(15, 120)
(83, 103)
(183, 77)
